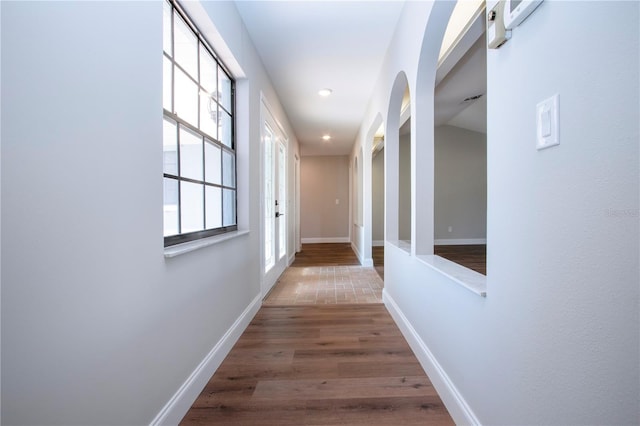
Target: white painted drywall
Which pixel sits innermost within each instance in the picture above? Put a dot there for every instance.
(460, 184)
(323, 180)
(556, 340)
(97, 326)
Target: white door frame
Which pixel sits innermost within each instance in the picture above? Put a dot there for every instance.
(269, 278)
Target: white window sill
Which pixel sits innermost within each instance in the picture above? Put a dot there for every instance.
(178, 249)
(404, 245)
(468, 278)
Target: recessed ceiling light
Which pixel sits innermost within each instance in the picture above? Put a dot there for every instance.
(326, 138)
(325, 92)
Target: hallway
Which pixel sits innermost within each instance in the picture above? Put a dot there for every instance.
(320, 362)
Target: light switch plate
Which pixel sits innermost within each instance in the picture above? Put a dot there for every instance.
(548, 123)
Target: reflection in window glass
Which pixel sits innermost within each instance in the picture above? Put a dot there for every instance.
(199, 164)
(171, 207)
(166, 84)
(224, 85)
(225, 132)
(208, 73)
(213, 206)
(229, 207)
(190, 155)
(212, 163)
(191, 200)
(185, 44)
(170, 147)
(166, 26)
(208, 115)
(186, 102)
(228, 170)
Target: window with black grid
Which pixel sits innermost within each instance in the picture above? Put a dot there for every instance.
(198, 134)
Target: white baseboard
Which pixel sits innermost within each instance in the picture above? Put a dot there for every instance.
(367, 262)
(458, 241)
(354, 247)
(378, 243)
(364, 262)
(460, 411)
(173, 412)
(326, 240)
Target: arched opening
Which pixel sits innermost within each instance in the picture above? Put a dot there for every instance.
(398, 160)
(377, 201)
(404, 170)
(460, 140)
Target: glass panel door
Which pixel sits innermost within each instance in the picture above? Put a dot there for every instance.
(269, 201)
(282, 200)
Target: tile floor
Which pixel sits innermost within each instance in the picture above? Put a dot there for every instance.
(326, 285)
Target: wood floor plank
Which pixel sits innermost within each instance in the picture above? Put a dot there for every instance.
(368, 387)
(320, 365)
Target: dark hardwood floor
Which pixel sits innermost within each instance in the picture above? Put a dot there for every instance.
(377, 253)
(320, 365)
(333, 254)
(471, 256)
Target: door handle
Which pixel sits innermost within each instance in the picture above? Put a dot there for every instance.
(279, 214)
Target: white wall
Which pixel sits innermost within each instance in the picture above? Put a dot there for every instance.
(97, 326)
(460, 184)
(324, 179)
(556, 340)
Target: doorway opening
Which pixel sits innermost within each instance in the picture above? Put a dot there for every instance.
(460, 140)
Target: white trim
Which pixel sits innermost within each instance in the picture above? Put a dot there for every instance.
(178, 249)
(326, 240)
(460, 411)
(292, 259)
(364, 262)
(354, 247)
(467, 278)
(367, 263)
(173, 412)
(458, 241)
(377, 243)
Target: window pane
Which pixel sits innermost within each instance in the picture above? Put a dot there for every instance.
(186, 102)
(166, 83)
(191, 201)
(208, 115)
(170, 207)
(208, 69)
(213, 197)
(225, 129)
(229, 207)
(212, 163)
(185, 44)
(224, 84)
(170, 147)
(166, 28)
(228, 170)
(190, 155)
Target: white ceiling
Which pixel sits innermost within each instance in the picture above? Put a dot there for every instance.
(466, 79)
(309, 45)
